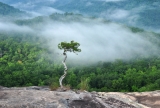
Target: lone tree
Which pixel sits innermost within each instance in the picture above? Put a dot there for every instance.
(71, 47)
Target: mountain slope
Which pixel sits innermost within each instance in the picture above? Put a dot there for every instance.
(138, 13)
(8, 10)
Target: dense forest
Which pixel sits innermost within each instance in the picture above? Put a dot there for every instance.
(24, 62)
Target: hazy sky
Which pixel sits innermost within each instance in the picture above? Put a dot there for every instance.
(113, 0)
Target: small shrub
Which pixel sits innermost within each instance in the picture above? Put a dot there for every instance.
(84, 85)
(54, 86)
(67, 87)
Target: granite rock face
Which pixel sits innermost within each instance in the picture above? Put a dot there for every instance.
(42, 97)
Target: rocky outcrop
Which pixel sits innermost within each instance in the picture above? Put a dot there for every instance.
(42, 97)
(150, 99)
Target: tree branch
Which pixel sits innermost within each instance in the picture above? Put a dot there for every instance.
(65, 70)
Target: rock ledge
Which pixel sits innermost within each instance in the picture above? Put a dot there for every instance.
(42, 97)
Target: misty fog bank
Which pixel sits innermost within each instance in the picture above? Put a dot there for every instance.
(98, 41)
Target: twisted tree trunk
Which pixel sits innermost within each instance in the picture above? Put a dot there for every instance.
(65, 70)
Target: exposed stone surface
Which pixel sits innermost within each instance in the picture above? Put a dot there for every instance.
(150, 99)
(42, 97)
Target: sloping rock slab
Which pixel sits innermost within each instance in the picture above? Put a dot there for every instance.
(150, 99)
(41, 97)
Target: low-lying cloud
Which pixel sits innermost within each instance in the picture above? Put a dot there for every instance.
(127, 16)
(11, 27)
(99, 42)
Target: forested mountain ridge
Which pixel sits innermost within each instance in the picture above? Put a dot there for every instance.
(8, 10)
(57, 17)
(141, 13)
(137, 13)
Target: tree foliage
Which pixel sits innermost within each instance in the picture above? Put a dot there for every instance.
(72, 46)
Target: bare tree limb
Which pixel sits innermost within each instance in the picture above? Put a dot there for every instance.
(65, 70)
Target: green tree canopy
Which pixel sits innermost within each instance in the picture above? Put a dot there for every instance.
(72, 46)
